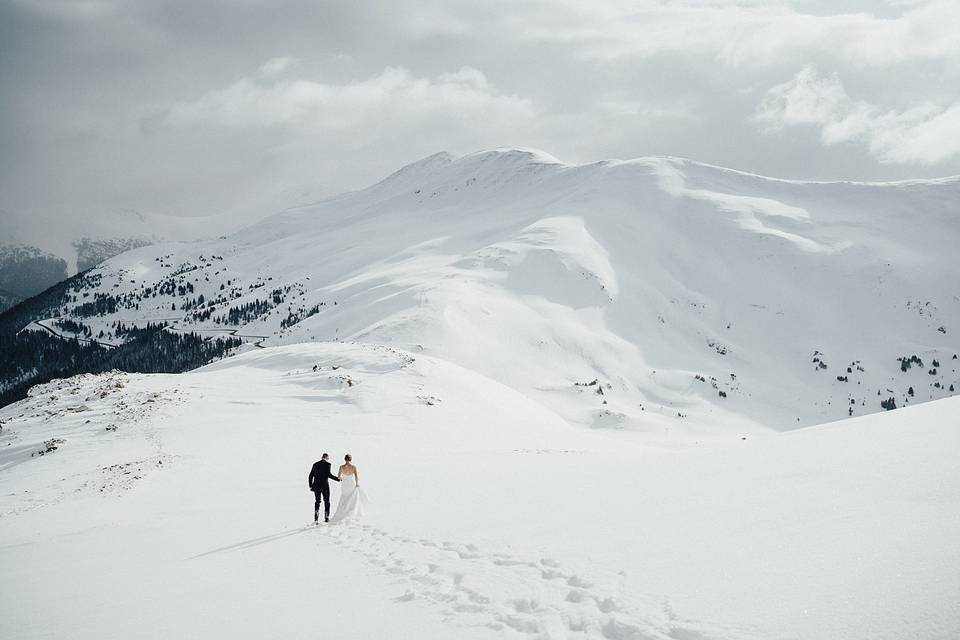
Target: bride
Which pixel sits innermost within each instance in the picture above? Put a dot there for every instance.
(352, 497)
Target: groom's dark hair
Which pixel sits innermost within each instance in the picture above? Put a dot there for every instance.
(325, 456)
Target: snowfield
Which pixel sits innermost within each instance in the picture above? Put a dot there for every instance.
(581, 398)
(177, 506)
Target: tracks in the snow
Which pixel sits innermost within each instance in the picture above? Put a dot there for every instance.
(520, 597)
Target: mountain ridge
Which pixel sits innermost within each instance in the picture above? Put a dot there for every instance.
(443, 158)
(691, 296)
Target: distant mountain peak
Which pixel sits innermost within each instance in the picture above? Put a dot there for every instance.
(513, 154)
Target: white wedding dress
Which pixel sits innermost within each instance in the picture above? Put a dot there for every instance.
(352, 500)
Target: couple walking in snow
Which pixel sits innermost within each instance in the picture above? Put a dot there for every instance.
(352, 498)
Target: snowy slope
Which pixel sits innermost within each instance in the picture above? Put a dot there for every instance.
(175, 506)
(702, 301)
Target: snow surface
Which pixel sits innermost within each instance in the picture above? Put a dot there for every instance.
(705, 302)
(528, 360)
(177, 506)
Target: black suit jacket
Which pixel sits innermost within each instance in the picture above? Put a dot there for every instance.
(319, 475)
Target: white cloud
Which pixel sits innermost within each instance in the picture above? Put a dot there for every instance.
(275, 66)
(923, 134)
(742, 33)
(151, 94)
(394, 98)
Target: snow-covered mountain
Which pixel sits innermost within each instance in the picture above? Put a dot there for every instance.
(655, 294)
(32, 248)
(83, 238)
(573, 393)
(26, 271)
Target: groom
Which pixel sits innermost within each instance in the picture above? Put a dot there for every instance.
(319, 474)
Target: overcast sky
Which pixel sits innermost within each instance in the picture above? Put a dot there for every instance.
(195, 107)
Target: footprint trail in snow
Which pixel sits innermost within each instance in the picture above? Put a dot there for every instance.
(523, 598)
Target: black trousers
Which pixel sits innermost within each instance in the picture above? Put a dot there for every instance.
(322, 494)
